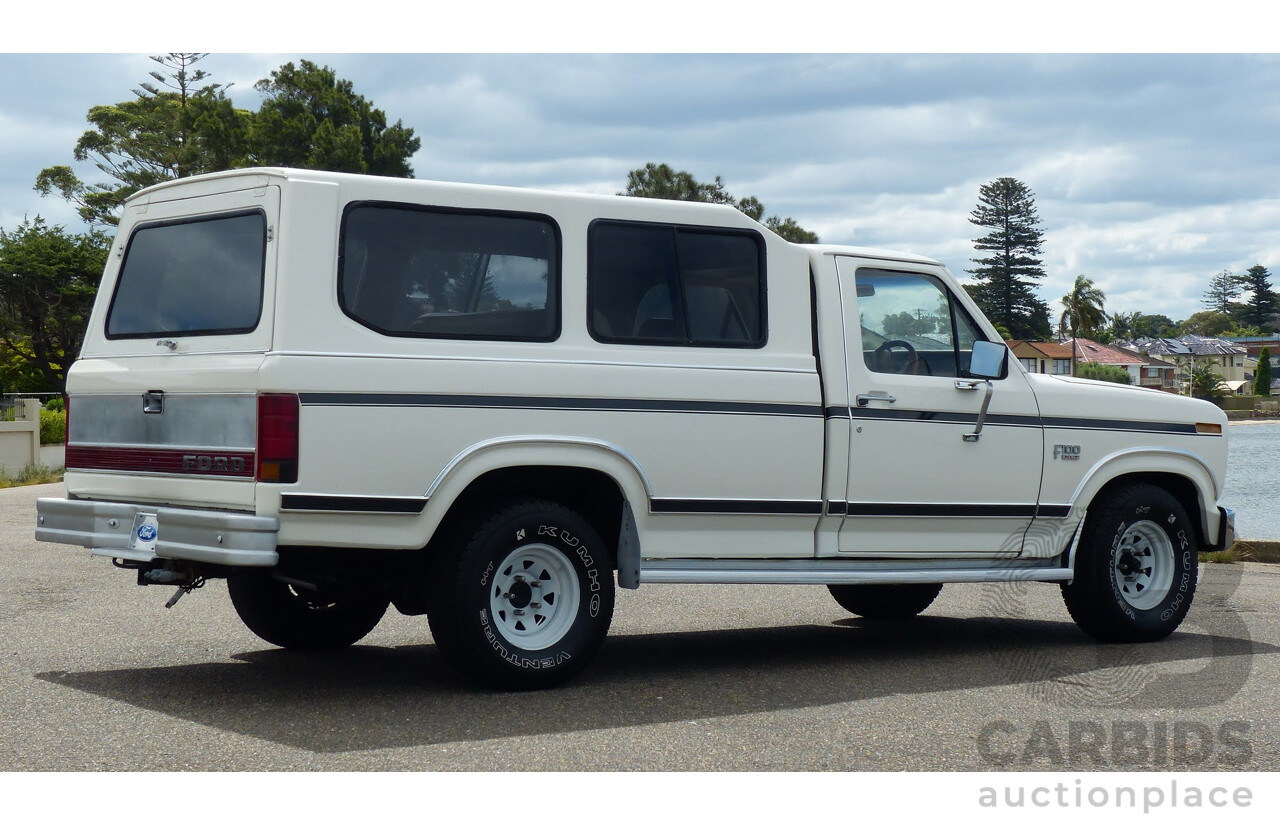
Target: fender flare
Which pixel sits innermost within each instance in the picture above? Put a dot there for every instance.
(552, 451)
(1157, 460)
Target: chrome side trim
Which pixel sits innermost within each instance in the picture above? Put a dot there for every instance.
(841, 571)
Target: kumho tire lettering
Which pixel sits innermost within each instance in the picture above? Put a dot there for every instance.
(518, 600)
(1136, 567)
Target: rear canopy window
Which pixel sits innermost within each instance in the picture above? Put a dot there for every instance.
(195, 277)
(450, 273)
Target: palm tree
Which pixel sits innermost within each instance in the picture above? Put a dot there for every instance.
(1082, 313)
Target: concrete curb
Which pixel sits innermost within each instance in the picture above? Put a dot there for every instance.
(1258, 550)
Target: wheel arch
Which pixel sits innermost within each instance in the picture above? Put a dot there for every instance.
(1185, 475)
(599, 480)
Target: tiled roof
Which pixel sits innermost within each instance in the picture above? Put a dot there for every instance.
(1096, 353)
(1188, 345)
(1049, 349)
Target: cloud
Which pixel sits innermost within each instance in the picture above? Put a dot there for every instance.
(1151, 172)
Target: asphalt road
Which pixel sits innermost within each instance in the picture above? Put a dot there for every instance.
(95, 674)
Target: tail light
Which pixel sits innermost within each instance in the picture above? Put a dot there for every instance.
(278, 438)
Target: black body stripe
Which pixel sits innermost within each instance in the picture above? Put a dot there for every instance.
(352, 504)
(523, 402)
(848, 508)
(736, 507)
(997, 420)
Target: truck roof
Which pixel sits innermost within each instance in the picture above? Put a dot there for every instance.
(214, 179)
(870, 252)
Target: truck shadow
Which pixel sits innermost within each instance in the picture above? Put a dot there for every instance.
(369, 697)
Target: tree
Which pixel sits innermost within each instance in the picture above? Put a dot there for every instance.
(1082, 313)
(1208, 322)
(1114, 373)
(1207, 384)
(1152, 326)
(1006, 277)
(47, 282)
(312, 119)
(183, 129)
(1122, 326)
(661, 181)
(1223, 289)
(1262, 378)
(1263, 303)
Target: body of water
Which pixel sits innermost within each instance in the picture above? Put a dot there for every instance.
(1253, 479)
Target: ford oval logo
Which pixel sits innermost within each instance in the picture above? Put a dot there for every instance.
(147, 532)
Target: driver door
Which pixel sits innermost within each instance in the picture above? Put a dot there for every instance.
(918, 487)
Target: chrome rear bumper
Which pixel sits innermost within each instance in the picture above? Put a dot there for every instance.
(209, 536)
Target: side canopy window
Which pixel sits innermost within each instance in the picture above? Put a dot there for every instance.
(192, 277)
(912, 325)
(437, 273)
(678, 285)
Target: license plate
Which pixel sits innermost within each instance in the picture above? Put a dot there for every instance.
(145, 532)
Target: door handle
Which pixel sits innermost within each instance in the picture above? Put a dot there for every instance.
(864, 400)
(968, 385)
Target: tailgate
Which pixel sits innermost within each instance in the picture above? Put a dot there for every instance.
(163, 401)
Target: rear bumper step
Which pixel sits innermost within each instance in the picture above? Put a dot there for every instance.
(209, 536)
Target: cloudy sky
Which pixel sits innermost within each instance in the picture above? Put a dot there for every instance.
(1151, 172)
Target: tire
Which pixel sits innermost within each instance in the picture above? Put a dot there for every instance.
(300, 619)
(524, 598)
(885, 601)
(1136, 567)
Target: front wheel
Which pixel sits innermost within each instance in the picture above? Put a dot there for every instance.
(287, 615)
(1136, 567)
(525, 598)
(885, 601)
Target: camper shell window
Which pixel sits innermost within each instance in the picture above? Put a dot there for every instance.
(429, 272)
(202, 276)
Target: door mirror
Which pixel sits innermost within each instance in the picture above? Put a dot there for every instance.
(987, 360)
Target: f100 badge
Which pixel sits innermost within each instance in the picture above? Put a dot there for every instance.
(1066, 452)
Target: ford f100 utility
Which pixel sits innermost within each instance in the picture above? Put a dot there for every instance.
(491, 406)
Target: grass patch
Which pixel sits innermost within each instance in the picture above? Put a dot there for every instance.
(1228, 556)
(30, 474)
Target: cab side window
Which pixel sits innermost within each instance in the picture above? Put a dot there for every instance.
(675, 285)
(911, 325)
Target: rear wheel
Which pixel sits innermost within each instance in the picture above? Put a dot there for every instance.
(885, 601)
(1136, 567)
(300, 618)
(524, 598)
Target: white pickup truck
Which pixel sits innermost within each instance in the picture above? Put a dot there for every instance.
(483, 404)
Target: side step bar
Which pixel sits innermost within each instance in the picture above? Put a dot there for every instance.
(846, 571)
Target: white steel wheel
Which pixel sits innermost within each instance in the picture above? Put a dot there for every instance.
(521, 597)
(1143, 565)
(1136, 566)
(535, 596)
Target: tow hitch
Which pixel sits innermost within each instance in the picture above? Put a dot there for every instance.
(185, 578)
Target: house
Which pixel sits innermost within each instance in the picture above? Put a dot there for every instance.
(1157, 374)
(1094, 353)
(1223, 357)
(1042, 356)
